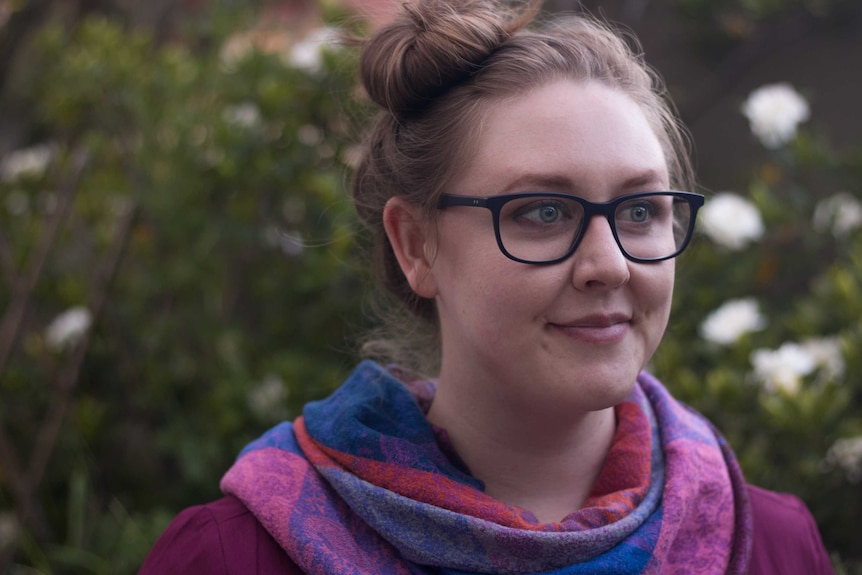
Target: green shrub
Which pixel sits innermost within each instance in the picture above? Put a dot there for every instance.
(208, 265)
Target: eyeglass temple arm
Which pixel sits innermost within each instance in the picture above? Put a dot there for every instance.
(446, 201)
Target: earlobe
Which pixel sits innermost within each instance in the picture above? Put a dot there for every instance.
(411, 243)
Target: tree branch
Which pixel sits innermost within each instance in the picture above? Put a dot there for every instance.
(10, 328)
(13, 317)
(7, 262)
(17, 30)
(11, 465)
(68, 378)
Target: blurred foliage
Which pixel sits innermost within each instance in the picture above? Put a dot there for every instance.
(807, 281)
(234, 297)
(221, 174)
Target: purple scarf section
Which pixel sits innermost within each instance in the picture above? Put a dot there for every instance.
(360, 485)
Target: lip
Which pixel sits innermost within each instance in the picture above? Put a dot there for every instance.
(596, 328)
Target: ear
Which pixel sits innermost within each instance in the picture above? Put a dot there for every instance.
(412, 243)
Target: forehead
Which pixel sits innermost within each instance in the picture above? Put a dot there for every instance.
(578, 134)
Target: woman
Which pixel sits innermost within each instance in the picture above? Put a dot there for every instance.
(517, 186)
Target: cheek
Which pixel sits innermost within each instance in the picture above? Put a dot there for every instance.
(657, 295)
(664, 284)
(670, 278)
(485, 294)
(484, 287)
(468, 266)
(461, 277)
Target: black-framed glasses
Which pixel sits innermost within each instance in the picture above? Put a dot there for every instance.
(546, 227)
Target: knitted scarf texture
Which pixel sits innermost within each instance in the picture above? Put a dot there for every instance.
(360, 484)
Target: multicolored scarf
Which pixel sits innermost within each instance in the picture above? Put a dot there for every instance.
(360, 484)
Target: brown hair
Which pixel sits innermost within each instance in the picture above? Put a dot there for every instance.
(433, 71)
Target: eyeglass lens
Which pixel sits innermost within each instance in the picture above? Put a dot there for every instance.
(538, 228)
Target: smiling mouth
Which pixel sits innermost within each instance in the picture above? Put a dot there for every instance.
(596, 330)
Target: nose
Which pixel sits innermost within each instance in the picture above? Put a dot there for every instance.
(598, 262)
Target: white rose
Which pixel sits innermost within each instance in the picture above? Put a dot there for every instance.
(827, 354)
(236, 48)
(27, 162)
(782, 368)
(734, 318)
(307, 54)
(730, 220)
(310, 135)
(67, 328)
(246, 115)
(290, 243)
(846, 453)
(774, 111)
(266, 400)
(840, 213)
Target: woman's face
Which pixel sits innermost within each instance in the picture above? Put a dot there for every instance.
(569, 335)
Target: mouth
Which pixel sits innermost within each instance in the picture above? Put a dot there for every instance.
(601, 329)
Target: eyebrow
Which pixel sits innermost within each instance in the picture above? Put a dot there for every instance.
(543, 181)
(560, 182)
(645, 178)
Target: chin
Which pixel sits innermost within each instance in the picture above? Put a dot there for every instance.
(577, 392)
(603, 390)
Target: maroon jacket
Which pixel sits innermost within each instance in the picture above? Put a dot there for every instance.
(224, 538)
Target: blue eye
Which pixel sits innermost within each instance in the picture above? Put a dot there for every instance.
(639, 214)
(542, 212)
(636, 212)
(548, 214)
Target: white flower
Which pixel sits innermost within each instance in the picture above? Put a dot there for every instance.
(730, 220)
(246, 115)
(266, 400)
(827, 355)
(68, 328)
(774, 112)
(353, 156)
(842, 213)
(846, 453)
(27, 162)
(310, 135)
(290, 243)
(734, 318)
(307, 54)
(264, 39)
(783, 368)
(235, 49)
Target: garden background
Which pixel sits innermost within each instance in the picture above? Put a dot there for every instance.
(181, 270)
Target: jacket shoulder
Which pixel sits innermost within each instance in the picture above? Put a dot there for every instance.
(786, 539)
(219, 538)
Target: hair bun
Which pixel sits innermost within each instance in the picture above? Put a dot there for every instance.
(429, 47)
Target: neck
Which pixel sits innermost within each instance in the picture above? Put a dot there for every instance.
(544, 463)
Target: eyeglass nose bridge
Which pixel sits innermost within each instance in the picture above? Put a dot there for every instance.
(608, 210)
